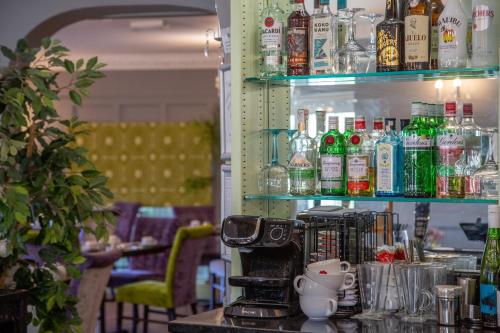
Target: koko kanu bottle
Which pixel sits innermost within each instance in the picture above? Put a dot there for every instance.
(323, 39)
(417, 34)
(359, 161)
(272, 40)
(452, 28)
(332, 151)
(302, 166)
(298, 40)
(390, 40)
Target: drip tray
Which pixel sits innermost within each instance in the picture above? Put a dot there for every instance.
(260, 310)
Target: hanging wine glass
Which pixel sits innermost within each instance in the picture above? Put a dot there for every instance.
(487, 176)
(351, 57)
(273, 178)
(372, 47)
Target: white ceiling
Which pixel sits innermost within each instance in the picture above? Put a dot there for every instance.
(178, 44)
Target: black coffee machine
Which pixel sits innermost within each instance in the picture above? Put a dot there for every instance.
(271, 252)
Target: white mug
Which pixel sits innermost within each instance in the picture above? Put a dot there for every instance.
(331, 266)
(304, 286)
(332, 281)
(318, 308)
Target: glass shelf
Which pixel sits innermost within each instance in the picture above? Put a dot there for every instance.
(379, 199)
(346, 79)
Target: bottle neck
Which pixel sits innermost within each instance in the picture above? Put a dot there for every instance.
(324, 9)
(298, 6)
(274, 3)
(468, 120)
(490, 158)
(493, 233)
(451, 120)
(390, 9)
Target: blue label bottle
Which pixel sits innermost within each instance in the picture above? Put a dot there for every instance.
(389, 162)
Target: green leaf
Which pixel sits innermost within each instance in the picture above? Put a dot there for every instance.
(84, 83)
(75, 97)
(22, 45)
(79, 63)
(78, 260)
(96, 75)
(8, 53)
(51, 301)
(91, 63)
(69, 65)
(39, 83)
(20, 218)
(45, 42)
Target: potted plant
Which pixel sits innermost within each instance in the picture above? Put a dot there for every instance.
(49, 189)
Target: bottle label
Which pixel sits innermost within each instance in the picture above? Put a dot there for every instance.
(302, 180)
(434, 42)
(358, 177)
(300, 161)
(331, 167)
(416, 141)
(488, 299)
(414, 3)
(322, 41)
(451, 141)
(385, 176)
(272, 34)
(297, 46)
(388, 47)
(452, 37)
(417, 38)
(482, 16)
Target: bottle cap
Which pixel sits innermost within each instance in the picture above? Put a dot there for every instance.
(440, 110)
(493, 221)
(468, 112)
(360, 123)
(418, 109)
(324, 2)
(378, 123)
(349, 121)
(390, 124)
(333, 122)
(451, 109)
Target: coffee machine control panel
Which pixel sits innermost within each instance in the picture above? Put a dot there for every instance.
(277, 233)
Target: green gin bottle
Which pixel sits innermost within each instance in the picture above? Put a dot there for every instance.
(332, 151)
(359, 161)
(302, 166)
(349, 128)
(419, 173)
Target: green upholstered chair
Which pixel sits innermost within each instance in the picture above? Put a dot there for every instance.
(179, 288)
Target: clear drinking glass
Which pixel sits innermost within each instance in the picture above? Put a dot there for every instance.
(487, 175)
(351, 57)
(418, 300)
(436, 275)
(371, 288)
(273, 178)
(372, 47)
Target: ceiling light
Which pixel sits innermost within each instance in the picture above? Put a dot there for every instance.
(147, 25)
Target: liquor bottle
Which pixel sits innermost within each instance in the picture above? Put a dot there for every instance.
(452, 27)
(490, 264)
(439, 114)
(451, 156)
(437, 9)
(378, 129)
(323, 41)
(433, 115)
(419, 176)
(402, 124)
(272, 39)
(349, 128)
(320, 131)
(298, 40)
(332, 151)
(472, 136)
(485, 27)
(359, 161)
(302, 166)
(390, 40)
(417, 34)
(467, 7)
(388, 157)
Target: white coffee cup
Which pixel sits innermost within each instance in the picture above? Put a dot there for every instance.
(332, 281)
(304, 286)
(331, 266)
(318, 308)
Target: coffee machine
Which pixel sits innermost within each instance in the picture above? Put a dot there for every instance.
(271, 252)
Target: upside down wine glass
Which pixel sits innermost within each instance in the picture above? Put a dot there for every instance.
(487, 176)
(372, 47)
(273, 178)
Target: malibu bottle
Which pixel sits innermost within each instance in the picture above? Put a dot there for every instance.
(452, 27)
(332, 152)
(298, 40)
(418, 34)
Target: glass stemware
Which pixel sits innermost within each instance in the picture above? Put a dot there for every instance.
(487, 175)
(273, 178)
(351, 57)
(372, 47)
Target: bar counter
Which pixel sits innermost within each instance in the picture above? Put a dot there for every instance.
(215, 322)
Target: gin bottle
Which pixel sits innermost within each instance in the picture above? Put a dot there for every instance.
(378, 129)
(349, 128)
(359, 161)
(389, 157)
(452, 27)
(472, 136)
(302, 166)
(320, 131)
(272, 39)
(298, 40)
(451, 156)
(323, 39)
(419, 173)
(332, 151)
(485, 23)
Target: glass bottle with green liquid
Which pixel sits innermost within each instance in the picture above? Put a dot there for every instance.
(332, 155)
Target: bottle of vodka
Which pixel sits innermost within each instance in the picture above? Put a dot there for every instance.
(484, 36)
(272, 40)
(323, 39)
(452, 30)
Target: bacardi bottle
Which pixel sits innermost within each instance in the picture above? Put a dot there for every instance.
(332, 151)
(323, 41)
(451, 160)
(389, 158)
(437, 9)
(486, 19)
(472, 136)
(390, 40)
(359, 161)
(453, 36)
(298, 40)
(302, 166)
(418, 34)
(272, 41)
(419, 173)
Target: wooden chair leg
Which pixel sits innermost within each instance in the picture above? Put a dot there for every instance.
(102, 321)
(135, 317)
(171, 314)
(194, 308)
(211, 281)
(145, 318)
(119, 317)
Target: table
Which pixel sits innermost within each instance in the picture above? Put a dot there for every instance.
(145, 250)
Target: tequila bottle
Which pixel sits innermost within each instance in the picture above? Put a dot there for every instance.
(333, 152)
(302, 166)
(390, 40)
(323, 39)
(298, 40)
(472, 136)
(359, 161)
(419, 174)
(272, 40)
(418, 34)
(452, 27)
(451, 156)
(485, 21)
(437, 9)
(320, 131)
(389, 157)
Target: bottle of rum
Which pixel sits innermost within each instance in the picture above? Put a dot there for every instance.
(323, 41)
(472, 136)
(389, 157)
(451, 156)
(437, 9)
(485, 21)
(418, 34)
(320, 131)
(272, 40)
(452, 27)
(298, 40)
(359, 161)
(332, 151)
(390, 40)
(489, 268)
(419, 173)
(302, 166)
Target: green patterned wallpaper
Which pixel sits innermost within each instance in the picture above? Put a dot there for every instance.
(151, 162)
